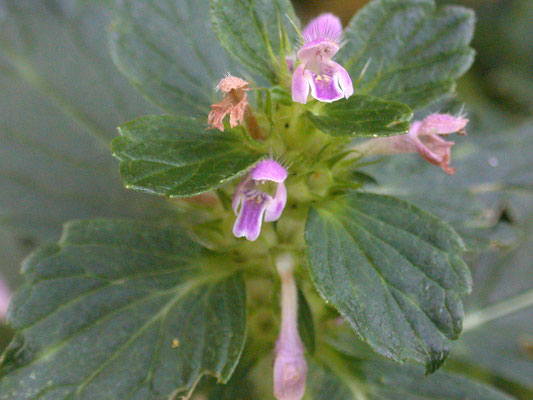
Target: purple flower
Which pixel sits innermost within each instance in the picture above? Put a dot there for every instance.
(5, 297)
(327, 80)
(290, 368)
(254, 203)
(423, 138)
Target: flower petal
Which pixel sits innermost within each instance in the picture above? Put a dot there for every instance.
(325, 26)
(250, 218)
(317, 51)
(239, 195)
(234, 103)
(343, 80)
(5, 298)
(290, 373)
(276, 206)
(324, 88)
(300, 85)
(290, 367)
(442, 124)
(230, 83)
(268, 170)
(291, 63)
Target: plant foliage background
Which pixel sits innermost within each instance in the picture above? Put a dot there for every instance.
(69, 72)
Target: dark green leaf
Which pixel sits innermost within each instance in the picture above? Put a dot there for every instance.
(362, 116)
(406, 50)
(363, 178)
(177, 156)
(168, 50)
(256, 33)
(121, 310)
(393, 272)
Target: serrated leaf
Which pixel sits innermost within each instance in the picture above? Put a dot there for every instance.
(177, 156)
(393, 271)
(168, 50)
(122, 310)
(257, 33)
(408, 51)
(362, 116)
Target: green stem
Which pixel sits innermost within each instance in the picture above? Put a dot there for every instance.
(493, 312)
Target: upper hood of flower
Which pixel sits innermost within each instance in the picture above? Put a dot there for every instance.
(269, 170)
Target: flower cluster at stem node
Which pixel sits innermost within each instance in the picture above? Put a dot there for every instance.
(262, 194)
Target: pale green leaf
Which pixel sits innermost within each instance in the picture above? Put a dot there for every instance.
(383, 380)
(498, 324)
(61, 101)
(168, 50)
(391, 382)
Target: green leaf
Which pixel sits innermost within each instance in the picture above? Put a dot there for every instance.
(407, 51)
(177, 156)
(384, 380)
(362, 116)
(257, 33)
(494, 172)
(62, 99)
(393, 271)
(168, 50)
(501, 347)
(388, 381)
(498, 335)
(324, 384)
(122, 310)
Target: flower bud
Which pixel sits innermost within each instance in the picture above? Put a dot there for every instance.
(290, 368)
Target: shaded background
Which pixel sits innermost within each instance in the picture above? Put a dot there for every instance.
(61, 99)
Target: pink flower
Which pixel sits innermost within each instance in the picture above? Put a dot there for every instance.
(327, 80)
(423, 138)
(290, 368)
(235, 103)
(254, 203)
(5, 297)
